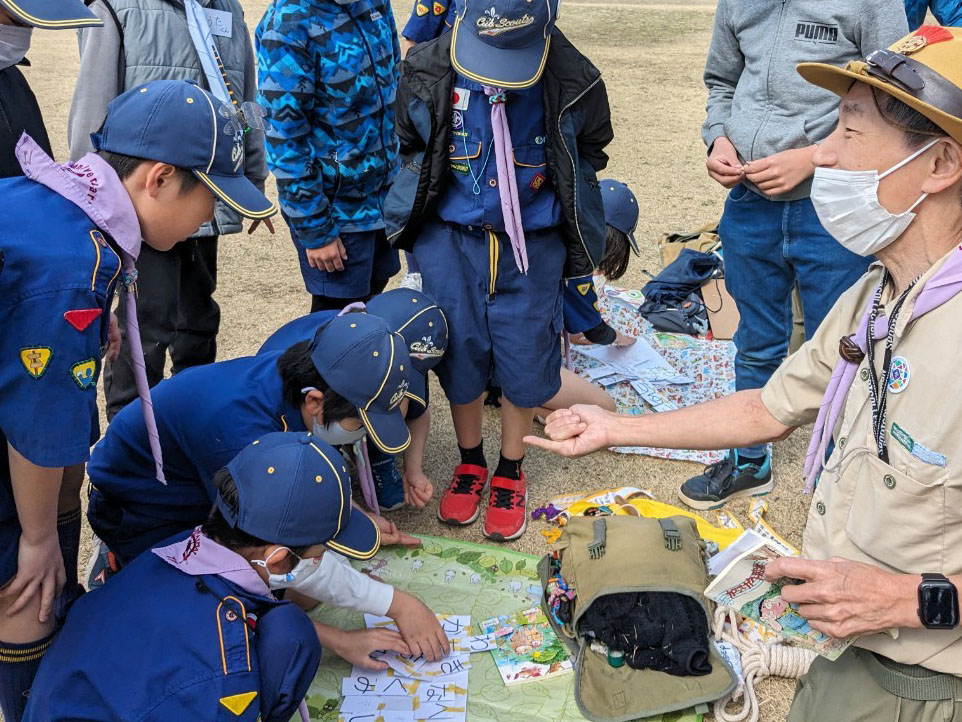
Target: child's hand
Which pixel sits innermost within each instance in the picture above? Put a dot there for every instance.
(390, 534)
(357, 646)
(723, 166)
(578, 339)
(419, 627)
(418, 489)
(781, 172)
(622, 341)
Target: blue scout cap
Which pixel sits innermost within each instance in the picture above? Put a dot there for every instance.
(51, 14)
(621, 209)
(361, 359)
(176, 122)
(294, 489)
(503, 43)
(424, 328)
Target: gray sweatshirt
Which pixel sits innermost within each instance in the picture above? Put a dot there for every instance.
(156, 45)
(756, 97)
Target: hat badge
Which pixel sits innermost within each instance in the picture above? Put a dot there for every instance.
(923, 37)
(911, 45)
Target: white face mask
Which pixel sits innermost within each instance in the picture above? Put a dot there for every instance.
(847, 204)
(14, 43)
(335, 434)
(301, 571)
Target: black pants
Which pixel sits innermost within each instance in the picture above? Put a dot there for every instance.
(329, 303)
(176, 312)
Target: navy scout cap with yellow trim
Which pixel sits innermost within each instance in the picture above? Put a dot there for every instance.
(51, 14)
(177, 122)
(362, 360)
(423, 327)
(295, 489)
(621, 209)
(503, 43)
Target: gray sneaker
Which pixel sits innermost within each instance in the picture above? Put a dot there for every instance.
(726, 480)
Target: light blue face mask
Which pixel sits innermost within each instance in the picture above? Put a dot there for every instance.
(335, 434)
(14, 44)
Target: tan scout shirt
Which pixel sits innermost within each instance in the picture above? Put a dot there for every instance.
(905, 516)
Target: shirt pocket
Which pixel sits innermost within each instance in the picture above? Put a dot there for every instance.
(895, 519)
(530, 167)
(462, 154)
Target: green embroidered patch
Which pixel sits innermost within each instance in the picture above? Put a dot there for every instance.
(460, 168)
(902, 436)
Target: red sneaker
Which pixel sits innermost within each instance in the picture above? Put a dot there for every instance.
(461, 503)
(507, 516)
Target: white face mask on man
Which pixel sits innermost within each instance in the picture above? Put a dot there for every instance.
(14, 44)
(301, 571)
(847, 204)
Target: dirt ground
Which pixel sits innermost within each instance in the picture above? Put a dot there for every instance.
(652, 56)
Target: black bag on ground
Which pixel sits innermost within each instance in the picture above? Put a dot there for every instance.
(673, 301)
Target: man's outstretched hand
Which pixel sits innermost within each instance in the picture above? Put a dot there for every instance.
(577, 431)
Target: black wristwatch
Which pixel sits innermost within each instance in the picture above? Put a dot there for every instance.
(938, 602)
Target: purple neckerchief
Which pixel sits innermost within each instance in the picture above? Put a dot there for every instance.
(93, 186)
(942, 286)
(507, 182)
(199, 554)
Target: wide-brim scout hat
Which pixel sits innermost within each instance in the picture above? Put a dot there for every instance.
(294, 489)
(423, 327)
(923, 70)
(503, 43)
(178, 122)
(362, 359)
(51, 14)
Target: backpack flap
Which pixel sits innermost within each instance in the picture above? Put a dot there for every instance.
(638, 555)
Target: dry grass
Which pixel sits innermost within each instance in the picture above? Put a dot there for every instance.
(652, 56)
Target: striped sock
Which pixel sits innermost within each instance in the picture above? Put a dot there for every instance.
(18, 666)
(68, 531)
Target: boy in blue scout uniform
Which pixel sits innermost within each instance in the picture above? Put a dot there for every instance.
(429, 19)
(424, 329)
(18, 105)
(506, 200)
(149, 180)
(192, 631)
(352, 376)
(582, 318)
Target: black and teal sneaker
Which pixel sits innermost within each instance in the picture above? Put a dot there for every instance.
(726, 480)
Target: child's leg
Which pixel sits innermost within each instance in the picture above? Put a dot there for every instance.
(467, 422)
(576, 390)
(515, 425)
(69, 520)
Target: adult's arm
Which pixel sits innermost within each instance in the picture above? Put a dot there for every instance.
(724, 423)
(880, 24)
(723, 68)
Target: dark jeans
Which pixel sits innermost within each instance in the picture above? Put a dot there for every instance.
(176, 312)
(769, 247)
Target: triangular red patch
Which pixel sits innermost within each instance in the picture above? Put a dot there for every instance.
(82, 318)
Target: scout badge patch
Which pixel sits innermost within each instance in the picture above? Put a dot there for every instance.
(35, 359)
(83, 373)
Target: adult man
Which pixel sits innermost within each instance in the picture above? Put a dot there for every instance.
(328, 75)
(886, 518)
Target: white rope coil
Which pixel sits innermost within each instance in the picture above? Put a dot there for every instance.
(759, 660)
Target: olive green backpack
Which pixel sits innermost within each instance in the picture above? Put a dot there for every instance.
(636, 555)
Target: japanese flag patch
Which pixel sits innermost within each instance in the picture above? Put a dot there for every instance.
(460, 98)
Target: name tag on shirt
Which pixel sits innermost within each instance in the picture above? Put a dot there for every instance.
(460, 98)
(376, 15)
(221, 22)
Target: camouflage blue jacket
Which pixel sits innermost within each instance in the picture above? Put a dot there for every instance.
(946, 12)
(327, 77)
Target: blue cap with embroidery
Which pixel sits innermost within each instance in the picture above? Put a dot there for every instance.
(51, 14)
(621, 209)
(503, 43)
(424, 328)
(177, 122)
(363, 360)
(294, 489)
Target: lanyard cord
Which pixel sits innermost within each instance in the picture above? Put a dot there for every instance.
(476, 188)
(879, 384)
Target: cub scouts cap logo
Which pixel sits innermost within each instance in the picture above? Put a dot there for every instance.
(177, 122)
(363, 360)
(294, 489)
(503, 43)
(421, 323)
(923, 70)
(51, 14)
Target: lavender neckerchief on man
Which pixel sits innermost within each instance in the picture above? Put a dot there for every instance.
(942, 286)
(507, 182)
(94, 187)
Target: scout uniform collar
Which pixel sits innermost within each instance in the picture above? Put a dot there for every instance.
(51, 14)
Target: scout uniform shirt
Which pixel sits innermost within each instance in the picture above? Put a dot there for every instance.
(472, 198)
(58, 274)
(189, 632)
(904, 516)
(205, 416)
(429, 19)
(581, 312)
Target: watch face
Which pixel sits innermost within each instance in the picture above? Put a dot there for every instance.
(940, 605)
